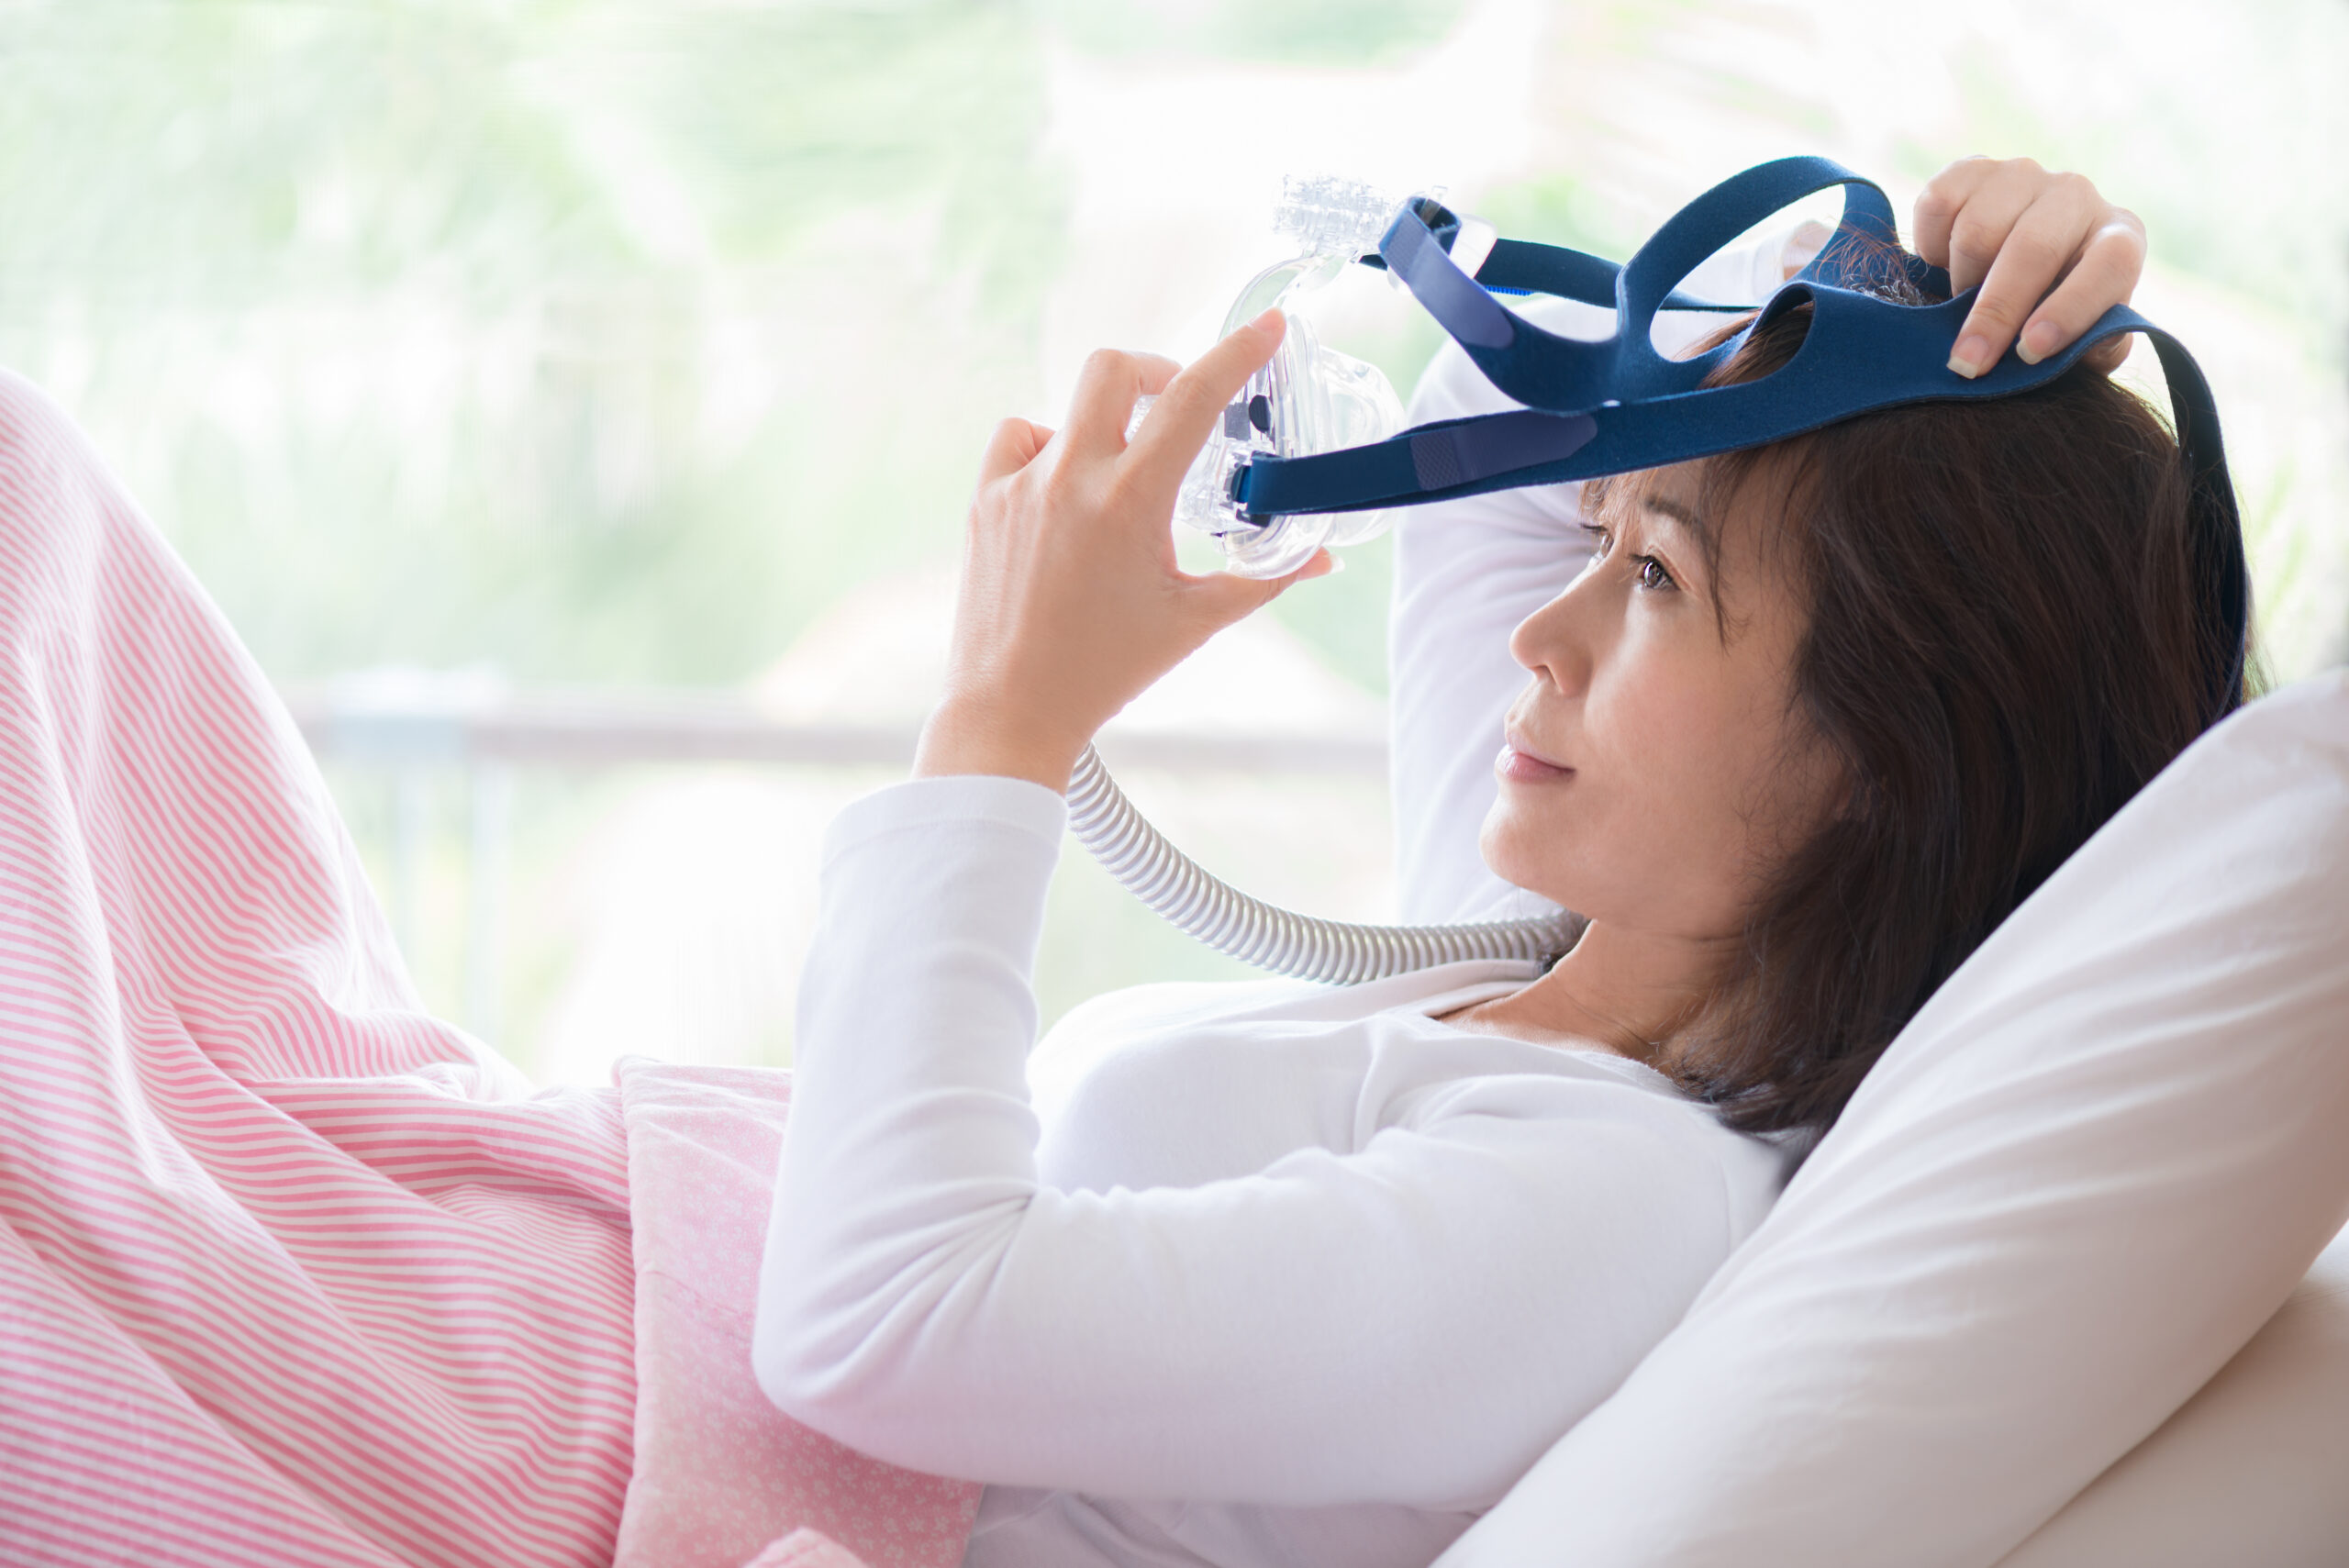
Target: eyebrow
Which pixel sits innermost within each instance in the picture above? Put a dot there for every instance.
(1685, 517)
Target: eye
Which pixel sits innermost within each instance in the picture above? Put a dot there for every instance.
(1649, 572)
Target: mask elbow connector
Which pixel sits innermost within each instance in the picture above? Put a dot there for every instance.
(1327, 215)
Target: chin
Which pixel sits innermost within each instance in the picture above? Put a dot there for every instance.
(1546, 869)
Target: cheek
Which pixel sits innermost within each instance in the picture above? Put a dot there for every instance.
(1659, 826)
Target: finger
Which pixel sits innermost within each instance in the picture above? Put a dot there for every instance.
(2105, 275)
(2109, 355)
(1193, 404)
(1938, 202)
(1012, 447)
(1980, 228)
(1103, 404)
(2042, 245)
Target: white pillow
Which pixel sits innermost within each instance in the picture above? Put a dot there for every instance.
(2090, 1168)
(2251, 1470)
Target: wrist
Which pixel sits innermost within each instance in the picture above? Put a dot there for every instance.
(961, 739)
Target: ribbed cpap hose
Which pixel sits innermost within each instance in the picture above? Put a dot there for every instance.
(1264, 934)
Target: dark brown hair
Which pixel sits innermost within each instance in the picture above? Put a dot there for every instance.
(2004, 645)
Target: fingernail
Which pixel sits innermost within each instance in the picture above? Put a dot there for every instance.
(1270, 319)
(2039, 341)
(1972, 350)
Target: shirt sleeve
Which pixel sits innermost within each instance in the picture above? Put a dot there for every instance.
(1466, 572)
(1413, 1321)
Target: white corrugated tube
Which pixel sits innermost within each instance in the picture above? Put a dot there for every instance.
(1266, 935)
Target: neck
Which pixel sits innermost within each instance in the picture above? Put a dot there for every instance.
(1630, 992)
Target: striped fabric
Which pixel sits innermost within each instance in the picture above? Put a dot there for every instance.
(291, 1272)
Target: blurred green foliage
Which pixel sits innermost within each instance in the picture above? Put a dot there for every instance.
(597, 340)
(1295, 32)
(534, 234)
(538, 234)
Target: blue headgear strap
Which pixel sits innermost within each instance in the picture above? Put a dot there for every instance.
(1616, 405)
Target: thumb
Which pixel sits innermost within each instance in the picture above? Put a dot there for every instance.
(1226, 597)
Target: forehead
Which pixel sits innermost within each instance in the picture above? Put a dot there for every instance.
(1676, 497)
(1680, 497)
(1730, 507)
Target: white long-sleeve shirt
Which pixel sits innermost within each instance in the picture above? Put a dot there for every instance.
(1241, 1274)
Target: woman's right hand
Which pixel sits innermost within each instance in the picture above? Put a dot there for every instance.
(1072, 602)
(2051, 253)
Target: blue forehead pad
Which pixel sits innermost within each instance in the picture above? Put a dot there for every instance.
(1614, 405)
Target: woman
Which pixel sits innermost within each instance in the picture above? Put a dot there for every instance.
(344, 1291)
(1276, 1273)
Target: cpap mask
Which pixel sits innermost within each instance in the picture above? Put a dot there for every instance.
(1308, 399)
(1314, 452)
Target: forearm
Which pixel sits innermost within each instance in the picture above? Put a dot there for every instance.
(911, 1141)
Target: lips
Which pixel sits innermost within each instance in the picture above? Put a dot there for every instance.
(1521, 764)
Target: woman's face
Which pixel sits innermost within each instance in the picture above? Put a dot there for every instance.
(1654, 772)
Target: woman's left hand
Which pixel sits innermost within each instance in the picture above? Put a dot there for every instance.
(2050, 252)
(1071, 602)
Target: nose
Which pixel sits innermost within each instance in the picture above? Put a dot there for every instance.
(1555, 642)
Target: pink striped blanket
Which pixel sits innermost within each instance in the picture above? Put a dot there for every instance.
(292, 1272)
